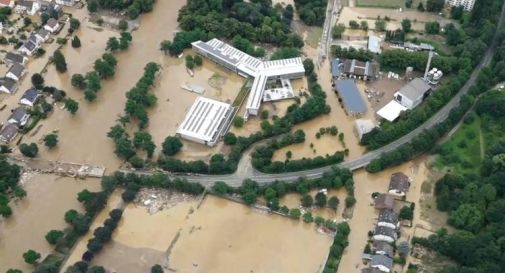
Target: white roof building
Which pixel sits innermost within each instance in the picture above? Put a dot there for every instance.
(363, 126)
(206, 121)
(467, 4)
(391, 111)
(374, 44)
(249, 66)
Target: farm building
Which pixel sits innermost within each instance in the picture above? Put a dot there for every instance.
(351, 99)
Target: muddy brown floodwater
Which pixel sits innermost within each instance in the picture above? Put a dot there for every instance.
(219, 236)
(42, 210)
(83, 136)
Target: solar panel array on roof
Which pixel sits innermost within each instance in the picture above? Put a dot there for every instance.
(349, 93)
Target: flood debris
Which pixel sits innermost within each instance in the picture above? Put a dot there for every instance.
(155, 200)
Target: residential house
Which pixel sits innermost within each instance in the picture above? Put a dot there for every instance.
(34, 39)
(383, 248)
(399, 184)
(19, 117)
(67, 2)
(413, 93)
(11, 57)
(8, 86)
(8, 133)
(30, 97)
(16, 72)
(28, 48)
(42, 35)
(28, 7)
(382, 262)
(385, 234)
(384, 201)
(7, 3)
(52, 25)
(388, 218)
(51, 9)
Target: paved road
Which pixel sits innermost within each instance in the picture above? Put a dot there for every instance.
(237, 178)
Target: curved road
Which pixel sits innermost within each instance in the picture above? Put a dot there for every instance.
(245, 169)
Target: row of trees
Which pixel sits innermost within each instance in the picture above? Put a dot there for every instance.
(133, 8)
(9, 185)
(313, 107)
(123, 43)
(255, 21)
(352, 53)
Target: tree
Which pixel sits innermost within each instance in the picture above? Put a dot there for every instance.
(123, 25)
(307, 217)
(230, 138)
(171, 145)
(29, 150)
(54, 236)
(51, 140)
(74, 23)
(363, 25)
(31, 256)
(112, 44)
(320, 199)
(307, 200)
(468, 217)
(71, 105)
(238, 122)
(13, 270)
(5, 211)
(59, 61)
(221, 188)
(190, 64)
(249, 197)
(78, 81)
(104, 68)
(76, 42)
(96, 269)
(333, 202)
(92, 5)
(157, 269)
(165, 46)
(37, 81)
(380, 25)
(295, 213)
(435, 5)
(198, 60)
(70, 216)
(420, 6)
(406, 25)
(406, 213)
(432, 27)
(338, 30)
(350, 201)
(353, 24)
(457, 12)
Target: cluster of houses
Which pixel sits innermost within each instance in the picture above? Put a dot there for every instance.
(16, 62)
(387, 228)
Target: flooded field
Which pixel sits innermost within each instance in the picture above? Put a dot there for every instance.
(49, 197)
(220, 236)
(365, 184)
(371, 14)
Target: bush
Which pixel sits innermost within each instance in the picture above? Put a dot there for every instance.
(238, 122)
(171, 145)
(230, 139)
(54, 236)
(29, 150)
(51, 140)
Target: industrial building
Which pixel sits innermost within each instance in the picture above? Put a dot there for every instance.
(351, 99)
(206, 121)
(360, 70)
(413, 93)
(467, 4)
(249, 66)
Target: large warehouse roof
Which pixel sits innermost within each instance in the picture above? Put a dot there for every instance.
(205, 120)
(349, 93)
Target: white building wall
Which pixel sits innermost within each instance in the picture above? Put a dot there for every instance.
(467, 4)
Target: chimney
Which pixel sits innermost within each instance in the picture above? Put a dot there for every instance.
(430, 55)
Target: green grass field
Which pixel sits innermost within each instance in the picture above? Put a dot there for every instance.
(314, 36)
(464, 150)
(389, 4)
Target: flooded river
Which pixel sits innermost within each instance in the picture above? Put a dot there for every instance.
(49, 197)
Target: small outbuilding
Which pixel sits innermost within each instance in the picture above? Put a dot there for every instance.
(362, 127)
(399, 184)
(384, 201)
(8, 133)
(352, 101)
